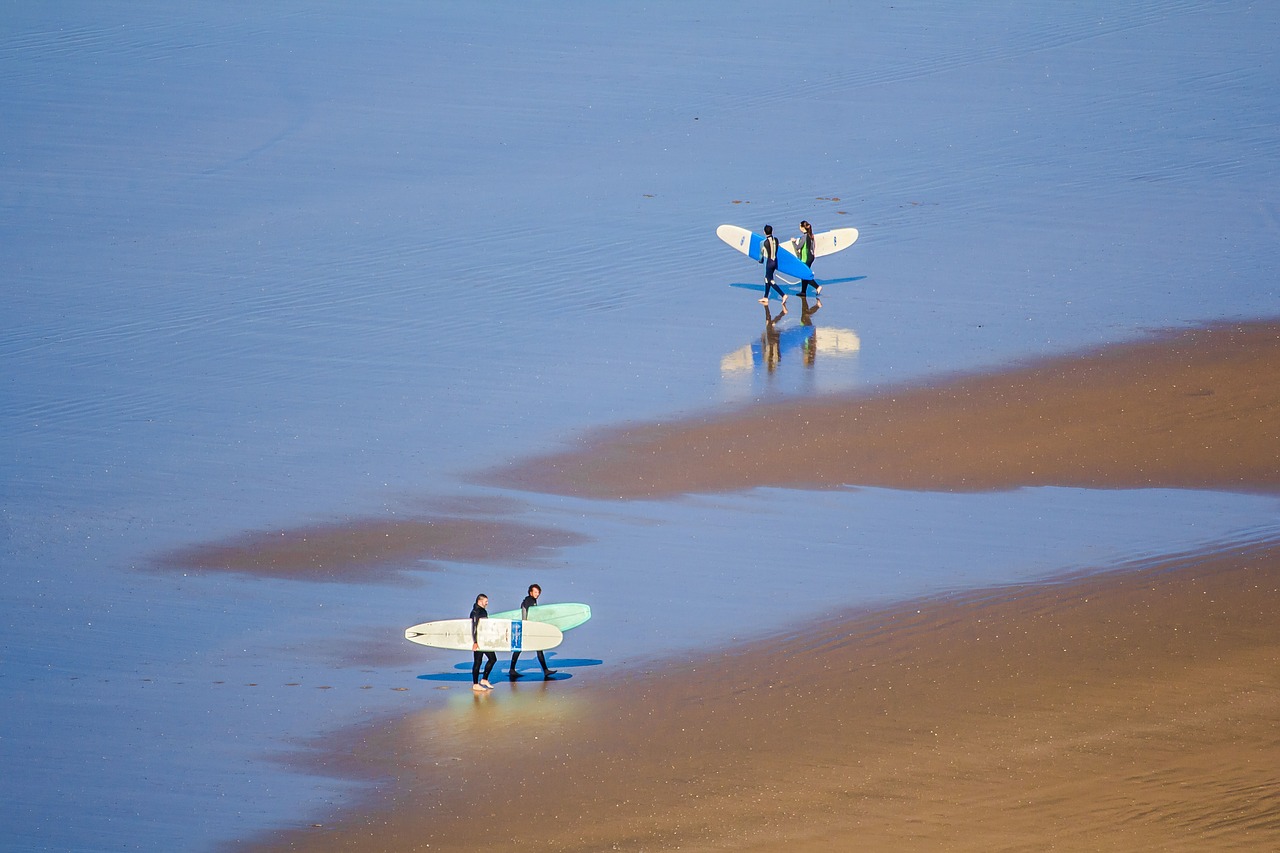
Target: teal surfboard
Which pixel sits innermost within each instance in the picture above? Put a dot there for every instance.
(562, 616)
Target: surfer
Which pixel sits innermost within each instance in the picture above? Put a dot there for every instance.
(805, 252)
(771, 339)
(530, 600)
(478, 612)
(769, 257)
(807, 311)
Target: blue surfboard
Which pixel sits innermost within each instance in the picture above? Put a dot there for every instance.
(748, 243)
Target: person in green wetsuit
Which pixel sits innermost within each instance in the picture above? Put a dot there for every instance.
(804, 247)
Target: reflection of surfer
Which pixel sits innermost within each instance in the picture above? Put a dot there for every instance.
(769, 257)
(805, 249)
(530, 600)
(806, 319)
(771, 339)
(479, 612)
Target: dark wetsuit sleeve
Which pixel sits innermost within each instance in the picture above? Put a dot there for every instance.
(529, 601)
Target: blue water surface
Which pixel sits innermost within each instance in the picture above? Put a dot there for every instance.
(281, 265)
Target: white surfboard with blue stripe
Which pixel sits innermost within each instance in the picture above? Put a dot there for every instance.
(494, 635)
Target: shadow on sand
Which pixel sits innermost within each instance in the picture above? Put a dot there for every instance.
(462, 671)
(791, 288)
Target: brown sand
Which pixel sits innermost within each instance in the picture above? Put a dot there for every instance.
(371, 549)
(1127, 711)
(1138, 711)
(1193, 409)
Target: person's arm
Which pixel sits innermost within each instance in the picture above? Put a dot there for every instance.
(475, 628)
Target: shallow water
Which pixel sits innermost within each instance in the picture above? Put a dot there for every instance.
(273, 269)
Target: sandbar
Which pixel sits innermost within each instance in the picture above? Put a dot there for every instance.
(1194, 408)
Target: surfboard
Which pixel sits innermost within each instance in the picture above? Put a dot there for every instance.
(748, 243)
(563, 616)
(827, 242)
(494, 635)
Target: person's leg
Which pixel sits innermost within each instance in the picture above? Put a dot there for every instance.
(515, 656)
(475, 668)
(488, 667)
(771, 267)
(542, 659)
(768, 281)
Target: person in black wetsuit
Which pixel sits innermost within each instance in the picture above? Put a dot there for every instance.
(479, 612)
(530, 600)
(769, 257)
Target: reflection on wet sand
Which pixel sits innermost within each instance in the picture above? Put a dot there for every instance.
(372, 549)
(1187, 409)
(805, 341)
(469, 717)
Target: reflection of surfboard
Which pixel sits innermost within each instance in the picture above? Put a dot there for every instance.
(748, 243)
(824, 341)
(494, 635)
(828, 242)
(563, 616)
(836, 341)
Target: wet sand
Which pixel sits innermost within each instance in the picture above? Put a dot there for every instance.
(1196, 409)
(371, 549)
(1130, 710)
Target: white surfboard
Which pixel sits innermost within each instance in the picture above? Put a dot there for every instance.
(827, 242)
(494, 635)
